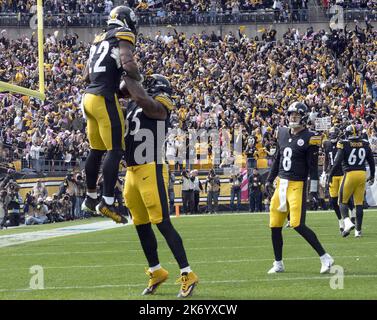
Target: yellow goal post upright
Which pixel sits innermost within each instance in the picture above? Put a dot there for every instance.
(39, 94)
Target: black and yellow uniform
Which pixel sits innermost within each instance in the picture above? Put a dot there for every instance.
(352, 155)
(146, 188)
(100, 103)
(330, 150)
(296, 158)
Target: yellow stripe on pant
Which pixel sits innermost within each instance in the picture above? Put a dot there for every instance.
(334, 186)
(146, 193)
(353, 183)
(105, 127)
(296, 205)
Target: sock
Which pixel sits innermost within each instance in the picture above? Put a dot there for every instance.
(277, 243)
(311, 238)
(109, 200)
(92, 195)
(156, 267)
(186, 270)
(174, 242)
(110, 171)
(344, 210)
(334, 203)
(324, 257)
(359, 217)
(341, 224)
(149, 243)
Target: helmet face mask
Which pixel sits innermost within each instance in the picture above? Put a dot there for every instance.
(156, 83)
(301, 110)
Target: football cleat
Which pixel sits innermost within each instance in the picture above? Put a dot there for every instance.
(288, 225)
(277, 267)
(348, 226)
(326, 263)
(357, 234)
(89, 205)
(188, 281)
(155, 279)
(111, 212)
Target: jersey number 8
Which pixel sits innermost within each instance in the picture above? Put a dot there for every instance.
(287, 161)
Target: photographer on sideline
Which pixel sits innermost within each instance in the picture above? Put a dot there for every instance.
(81, 192)
(14, 205)
(69, 187)
(197, 189)
(66, 207)
(235, 191)
(212, 185)
(4, 201)
(39, 215)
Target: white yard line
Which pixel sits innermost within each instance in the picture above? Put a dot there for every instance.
(18, 238)
(273, 278)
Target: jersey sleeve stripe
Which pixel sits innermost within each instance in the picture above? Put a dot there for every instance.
(168, 104)
(315, 141)
(128, 36)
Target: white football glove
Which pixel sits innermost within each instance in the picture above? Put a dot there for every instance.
(115, 54)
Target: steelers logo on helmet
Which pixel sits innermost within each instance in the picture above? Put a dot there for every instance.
(123, 16)
(301, 110)
(353, 131)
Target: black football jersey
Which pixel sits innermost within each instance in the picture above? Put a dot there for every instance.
(354, 154)
(296, 156)
(105, 68)
(330, 150)
(145, 137)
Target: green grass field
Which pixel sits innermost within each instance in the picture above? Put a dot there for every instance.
(230, 253)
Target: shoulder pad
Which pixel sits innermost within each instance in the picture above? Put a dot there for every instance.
(165, 100)
(125, 34)
(340, 145)
(315, 140)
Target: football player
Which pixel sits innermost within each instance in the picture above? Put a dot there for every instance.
(110, 55)
(330, 150)
(353, 153)
(146, 188)
(296, 158)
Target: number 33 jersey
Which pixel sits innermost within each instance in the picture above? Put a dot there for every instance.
(298, 154)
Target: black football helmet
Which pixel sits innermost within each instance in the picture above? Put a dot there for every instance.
(157, 83)
(334, 134)
(353, 131)
(301, 109)
(123, 16)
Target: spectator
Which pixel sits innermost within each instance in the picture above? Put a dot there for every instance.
(212, 187)
(235, 190)
(255, 191)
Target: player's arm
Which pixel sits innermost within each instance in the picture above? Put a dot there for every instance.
(127, 60)
(370, 160)
(152, 108)
(312, 162)
(338, 159)
(86, 74)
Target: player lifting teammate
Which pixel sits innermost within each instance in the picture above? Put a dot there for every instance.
(296, 158)
(146, 188)
(110, 55)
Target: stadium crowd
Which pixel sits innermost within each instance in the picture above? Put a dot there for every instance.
(236, 85)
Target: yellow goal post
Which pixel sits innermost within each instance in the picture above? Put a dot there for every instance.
(39, 94)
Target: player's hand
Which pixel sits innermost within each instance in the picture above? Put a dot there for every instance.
(269, 189)
(370, 181)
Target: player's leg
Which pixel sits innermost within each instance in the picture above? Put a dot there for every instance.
(155, 198)
(352, 210)
(334, 187)
(111, 129)
(346, 190)
(296, 196)
(97, 150)
(359, 199)
(134, 202)
(277, 219)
